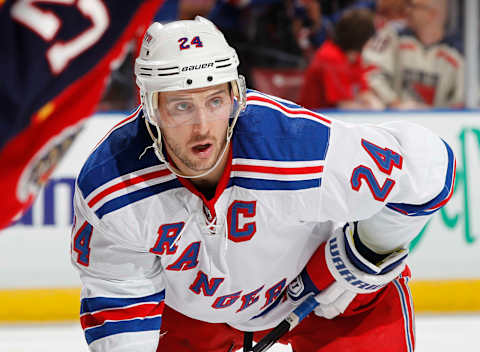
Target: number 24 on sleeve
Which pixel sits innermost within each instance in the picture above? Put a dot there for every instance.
(385, 159)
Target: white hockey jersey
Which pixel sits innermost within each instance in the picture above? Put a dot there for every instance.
(405, 69)
(144, 237)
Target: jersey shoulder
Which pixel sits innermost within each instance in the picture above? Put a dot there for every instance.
(272, 128)
(123, 161)
(451, 41)
(454, 42)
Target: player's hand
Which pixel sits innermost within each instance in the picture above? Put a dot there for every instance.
(409, 104)
(337, 272)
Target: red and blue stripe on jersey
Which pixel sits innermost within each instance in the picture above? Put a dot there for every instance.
(105, 316)
(278, 145)
(274, 175)
(439, 201)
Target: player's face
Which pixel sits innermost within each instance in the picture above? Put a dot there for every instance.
(419, 12)
(194, 125)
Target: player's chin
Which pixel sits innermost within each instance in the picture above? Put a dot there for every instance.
(202, 162)
(197, 167)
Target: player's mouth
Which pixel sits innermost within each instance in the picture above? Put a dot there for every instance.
(203, 150)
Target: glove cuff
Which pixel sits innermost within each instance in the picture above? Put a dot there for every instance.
(367, 260)
(355, 273)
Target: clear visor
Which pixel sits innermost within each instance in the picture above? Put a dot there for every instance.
(173, 109)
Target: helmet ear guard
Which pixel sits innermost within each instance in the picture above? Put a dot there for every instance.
(184, 55)
(239, 90)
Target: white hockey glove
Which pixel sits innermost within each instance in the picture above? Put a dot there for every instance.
(337, 272)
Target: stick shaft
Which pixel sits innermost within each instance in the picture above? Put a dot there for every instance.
(292, 320)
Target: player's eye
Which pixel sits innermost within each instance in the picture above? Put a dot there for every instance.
(216, 102)
(183, 107)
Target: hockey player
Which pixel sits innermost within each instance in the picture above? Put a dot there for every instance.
(195, 214)
(421, 66)
(56, 57)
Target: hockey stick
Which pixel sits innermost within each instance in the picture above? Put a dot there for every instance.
(286, 325)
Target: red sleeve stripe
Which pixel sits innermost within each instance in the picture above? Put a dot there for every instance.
(144, 310)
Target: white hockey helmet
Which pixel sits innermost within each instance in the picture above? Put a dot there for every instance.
(185, 55)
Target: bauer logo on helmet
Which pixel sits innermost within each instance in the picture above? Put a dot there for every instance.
(197, 67)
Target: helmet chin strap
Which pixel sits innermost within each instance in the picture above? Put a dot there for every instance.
(157, 147)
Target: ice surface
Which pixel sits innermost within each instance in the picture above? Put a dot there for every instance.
(434, 333)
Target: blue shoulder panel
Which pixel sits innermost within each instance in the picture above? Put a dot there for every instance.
(275, 129)
(119, 154)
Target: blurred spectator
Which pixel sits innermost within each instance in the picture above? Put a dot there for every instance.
(188, 9)
(331, 7)
(392, 13)
(238, 20)
(350, 5)
(120, 92)
(168, 12)
(421, 66)
(310, 27)
(336, 76)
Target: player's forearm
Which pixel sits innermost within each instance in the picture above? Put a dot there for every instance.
(388, 231)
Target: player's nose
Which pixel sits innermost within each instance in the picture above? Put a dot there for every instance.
(200, 119)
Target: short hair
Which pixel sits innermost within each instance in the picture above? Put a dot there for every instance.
(354, 29)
